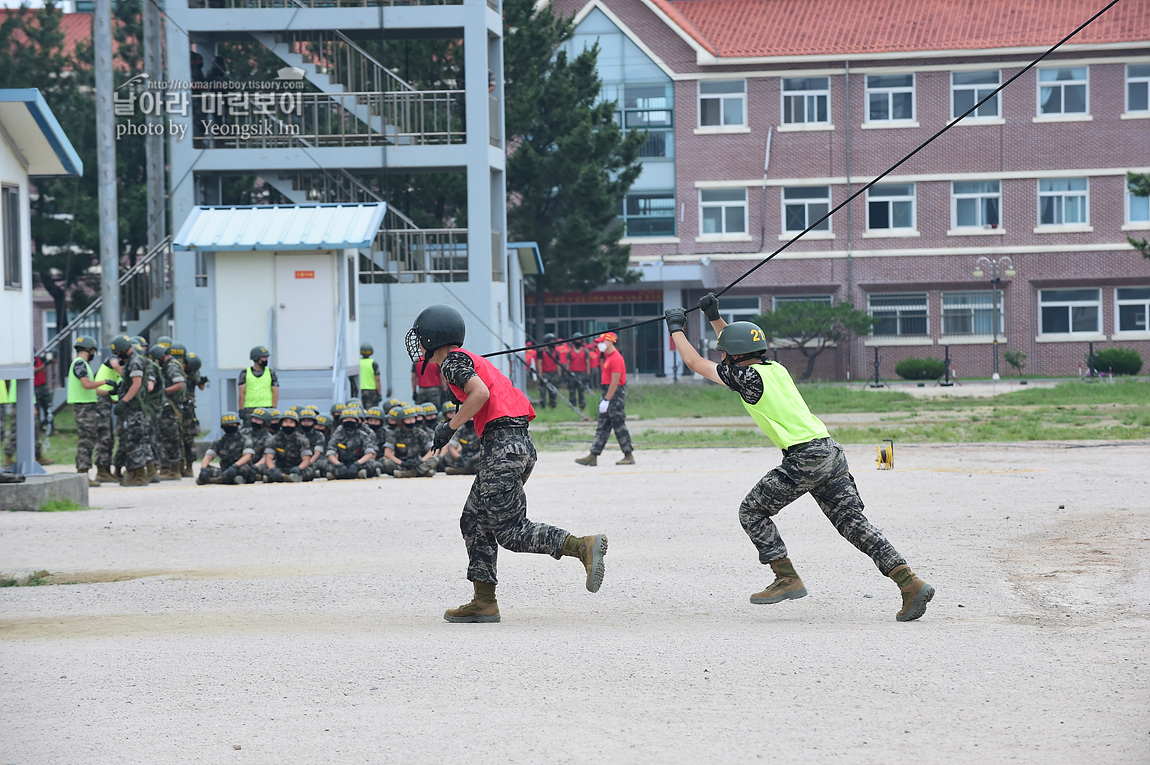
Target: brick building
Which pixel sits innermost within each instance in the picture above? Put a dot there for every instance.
(840, 92)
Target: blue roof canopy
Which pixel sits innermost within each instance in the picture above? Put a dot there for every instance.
(36, 135)
(280, 227)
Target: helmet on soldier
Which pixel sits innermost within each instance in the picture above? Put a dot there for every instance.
(164, 340)
(259, 352)
(229, 418)
(194, 361)
(121, 344)
(157, 352)
(365, 349)
(435, 326)
(85, 343)
(179, 350)
(742, 338)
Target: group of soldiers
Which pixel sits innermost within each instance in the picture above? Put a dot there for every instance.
(574, 366)
(301, 444)
(136, 411)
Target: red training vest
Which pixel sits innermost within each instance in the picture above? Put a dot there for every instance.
(506, 400)
(428, 378)
(593, 354)
(578, 360)
(547, 357)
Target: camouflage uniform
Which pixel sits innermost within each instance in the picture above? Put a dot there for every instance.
(229, 448)
(317, 442)
(349, 447)
(189, 423)
(409, 445)
(495, 513)
(156, 401)
(171, 441)
(288, 451)
(135, 425)
(261, 443)
(468, 442)
(106, 442)
(90, 423)
(615, 418)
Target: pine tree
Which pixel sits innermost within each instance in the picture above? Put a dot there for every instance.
(811, 327)
(1139, 185)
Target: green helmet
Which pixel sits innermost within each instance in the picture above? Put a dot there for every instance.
(374, 412)
(412, 411)
(260, 413)
(274, 414)
(309, 413)
(741, 338)
(355, 402)
(351, 413)
(121, 343)
(179, 350)
(259, 352)
(395, 414)
(449, 410)
(194, 361)
(84, 343)
(157, 352)
(336, 408)
(164, 340)
(289, 415)
(430, 410)
(391, 403)
(140, 344)
(322, 420)
(365, 349)
(229, 418)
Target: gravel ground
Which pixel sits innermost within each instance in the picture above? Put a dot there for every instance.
(302, 623)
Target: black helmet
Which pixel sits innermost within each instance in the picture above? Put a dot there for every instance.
(178, 350)
(84, 343)
(194, 361)
(157, 352)
(435, 326)
(549, 337)
(741, 338)
(365, 349)
(259, 352)
(121, 343)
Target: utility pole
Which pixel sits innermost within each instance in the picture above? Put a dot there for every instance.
(106, 173)
(154, 146)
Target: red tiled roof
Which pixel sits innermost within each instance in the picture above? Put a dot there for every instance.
(760, 28)
(76, 27)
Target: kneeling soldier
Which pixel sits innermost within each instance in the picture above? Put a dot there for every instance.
(350, 448)
(409, 448)
(291, 453)
(235, 452)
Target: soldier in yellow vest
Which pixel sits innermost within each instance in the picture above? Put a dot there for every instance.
(258, 385)
(5, 402)
(108, 372)
(84, 391)
(370, 383)
(812, 461)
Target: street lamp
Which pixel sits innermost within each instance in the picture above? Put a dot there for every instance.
(980, 268)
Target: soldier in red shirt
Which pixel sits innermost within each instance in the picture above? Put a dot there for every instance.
(495, 514)
(612, 416)
(426, 384)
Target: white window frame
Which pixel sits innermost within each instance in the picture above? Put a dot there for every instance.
(978, 96)
(804, 97)
(889, 92)
(1139, 79)
(1063, 196)
(725, 206)
(1070, 305)
(981, 196)
(726, 100)
(891, 200)
(1144, 303)
(625, 218)
(1062, 84)
(1141, 223)
(951, 303)
(807, 215)
(911, 309)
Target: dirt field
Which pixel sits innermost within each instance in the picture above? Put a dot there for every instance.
(302, 623)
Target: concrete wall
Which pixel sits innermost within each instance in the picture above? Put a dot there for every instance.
(16, 304)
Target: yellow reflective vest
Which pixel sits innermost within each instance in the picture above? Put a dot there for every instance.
(366, 374)
(77, 393)
(257, 390)
(781, 412)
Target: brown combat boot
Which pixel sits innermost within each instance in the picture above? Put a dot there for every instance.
(590, 459)
(628, 459)
(787, 585)
(91, 483)
(186, 470)
(915, 593)
(482, 608)
(170, 473)
(152, 472)
(591, 550)
(134, 477)
(104, 474)
(117, 472)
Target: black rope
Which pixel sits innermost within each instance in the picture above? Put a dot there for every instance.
(853, 196)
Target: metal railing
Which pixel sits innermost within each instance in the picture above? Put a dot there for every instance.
(332, 186)
(142, 284)
(403, 252)
(432, 117)
(339, 57)
(493, 114)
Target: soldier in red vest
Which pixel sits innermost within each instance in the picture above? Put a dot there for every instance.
(577, 379)
(426, 383)
(548, 370)
(495, 514)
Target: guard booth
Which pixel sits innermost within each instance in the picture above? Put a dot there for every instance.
(284, 276)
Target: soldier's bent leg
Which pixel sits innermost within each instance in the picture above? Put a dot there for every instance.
(506, 464)
(777, 489)
(208, 475)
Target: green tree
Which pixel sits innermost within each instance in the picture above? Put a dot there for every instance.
(1139, 185)
(811, 327)
(570, 164)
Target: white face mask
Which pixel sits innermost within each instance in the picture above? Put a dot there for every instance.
(602, 347)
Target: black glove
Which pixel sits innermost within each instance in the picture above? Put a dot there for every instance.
(443, 434)
(120, 408)
(676, 319)
(709, 305)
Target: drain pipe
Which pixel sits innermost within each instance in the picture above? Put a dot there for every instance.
(850, 230)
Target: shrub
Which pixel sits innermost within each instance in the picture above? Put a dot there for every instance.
(920, 369)
(1016, 359)
(1120, 361)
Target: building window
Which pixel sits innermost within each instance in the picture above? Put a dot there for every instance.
(890, 206)
(968, 88)
(12, 249)
(1069, 312)
(649, 214)
(1133, 308)
(806, 99)
(1062, 91)
(784, 299)
(651, 108)
(898, 314)
(1138, 88)
(1137, 208)
(723, 211)
(971, 313)
(976, 204)
(1062, 201)
(890, 97)
(722, 103)
(803, 205)
(731, 310)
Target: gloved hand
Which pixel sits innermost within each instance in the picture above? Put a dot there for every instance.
(443, 434)
(120, 408)
(603, 404)
(709, 305)
(676, 319)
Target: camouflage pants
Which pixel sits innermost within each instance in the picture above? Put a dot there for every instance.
(10, 440)
(495, 514)
(135, 439)
(428, 396)
(819, 467)
(468, 462)
(189, 429)
(423, 468)
(615, 418)
(168, 437)
(549, 389)
(576, 388)
(102, 454)
(226, 475)
(90, 430)
(370, 398)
